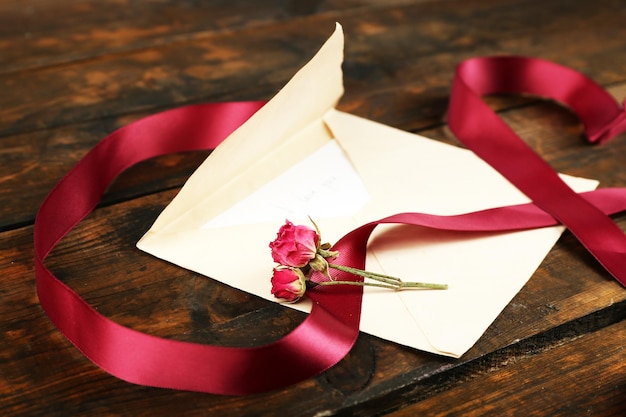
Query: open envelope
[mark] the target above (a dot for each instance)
(298, 156)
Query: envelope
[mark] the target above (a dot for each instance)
(298, 156)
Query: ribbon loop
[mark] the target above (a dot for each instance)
(481, 130)
(611, 129)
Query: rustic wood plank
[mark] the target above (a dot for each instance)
(38, 160)
(583, 376)
(43, 33)
(215, 67)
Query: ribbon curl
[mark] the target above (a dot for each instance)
(330, 330)
(482, 131)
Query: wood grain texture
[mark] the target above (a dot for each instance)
(50, 116)
(35, 34)
(72, 71)
(582, 376)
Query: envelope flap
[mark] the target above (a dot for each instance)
(283, 132)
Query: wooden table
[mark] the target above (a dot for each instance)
(72, 71)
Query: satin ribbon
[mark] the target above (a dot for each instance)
(330, 330)
(481, 130)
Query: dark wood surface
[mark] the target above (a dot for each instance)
(72, 71)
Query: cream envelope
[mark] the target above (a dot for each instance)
(298, 156)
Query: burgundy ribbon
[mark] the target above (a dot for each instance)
(330, 330)
(481, 130)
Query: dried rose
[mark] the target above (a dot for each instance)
(288, 284)
(298, 252)
(295, 245)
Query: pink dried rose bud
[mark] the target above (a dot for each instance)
(288, 284)
(298, 252)
(295, 245)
